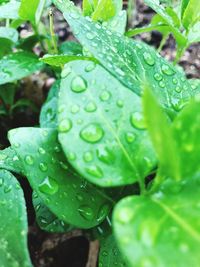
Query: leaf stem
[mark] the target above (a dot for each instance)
(52, 32)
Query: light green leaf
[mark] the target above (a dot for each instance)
(9, 10)
(46, 220)
(28, 10)
(194, 33)
(13, 218)
(129, 61)
(104, 10)
(9, 33)
(161, 229)
(191, 14)
(184, 4)
(61, 60)
(10, 161)
(89, 7)
(18, 65)
(100, 122)
(65, 193)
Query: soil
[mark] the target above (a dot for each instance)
(74, 249)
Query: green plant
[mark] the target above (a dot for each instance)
(117, 114)
(180, 18)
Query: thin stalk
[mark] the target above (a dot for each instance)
(162, 43)
(179, 54)
(52, 32)
(7, 23)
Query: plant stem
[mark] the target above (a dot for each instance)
(52, 32)
(162, 43)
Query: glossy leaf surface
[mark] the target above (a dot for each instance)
(14, 228)
(69, 197)
(18, 65)
(9, 33)
(129, 61)
(100, 122)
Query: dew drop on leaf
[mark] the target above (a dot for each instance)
(158, 77)
(137, 120)
(78, 84)
(120, 103)
(148, 59)
(43, 166)
(105, 95)
(103, 211)
(65, 125)
(75, 109)
(162, 84)
(71, 156)
(48, 186)
(91, 107)
(105, 155)
(87, 156)
(130, 137)
(90, 67)
(29, 160)
(86, 212)
(41, 150)
(95, 171)
(167, 70)
(92, 133)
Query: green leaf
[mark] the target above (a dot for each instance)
(28, 10)
(61, 60)
(100, 121)
(161, 229)
(104, 10)
(186, 131)
(161, 135)
(6, 46)
(13, 230)
(191, 14)
(9, 33)
(109, 253)
(194, 33)
(65, 193)
(129, 61)
(46, 220)
(70, 48)
(10, 161)
(18, 65)
(89, 7)
(184, 4)
(10, 10)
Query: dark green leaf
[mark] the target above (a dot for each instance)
(18, 65)
(70, 48)
(69, 197)
(100, 121)
(13, 218)
(46, 220)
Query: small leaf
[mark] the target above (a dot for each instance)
(18, 65)
(28, 10)
(101, 122)
(13, 218)
(54, 180)
(46, 220)
(9, 10)
(161, 229)
(191, 14)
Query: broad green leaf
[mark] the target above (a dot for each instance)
(191, 14)
(118, 22)
(46, 220)
(9, 10)
(10, 161)
(194, 33)
(184, 4)
(129, 61)
(161, 135)
(29, 42)
(104, 10)
(28, 10)
(109, 253)
(161, 229)
(65, 193)
(186, 130)
(48, 114)
(61, 60)
(70, 48)
(100, 122)
(18, 65)
(14, 228)
(9, 33)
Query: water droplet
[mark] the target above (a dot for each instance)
(137, 120)
(175, 81)
(162, 84)
(75, 109)
(86, 212)
(158, 77)
(105, 95)
(78, 84)
(120, 103)
(7, 189)
(90, 35)
(178, 89)
(92, 133)
(88, 156)
(48, 186)
(29, 160)
(71, 156)
(130, 137)
(90, 67)
(63, 165)
(41, 150)
(167, 70)
(105, 155)
(65, 125)
(57, 149)
(66, 72)
(95, 171)
(91, 107)
(148, 59)
(103, 212)
(43, 166)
